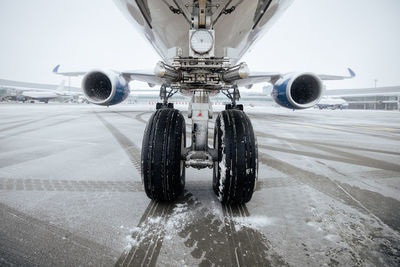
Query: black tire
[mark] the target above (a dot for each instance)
(161, 105)
(235, 172)
(230, 106)
(239, 107)
(163, 171)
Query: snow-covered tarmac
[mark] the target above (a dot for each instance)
(71, 192)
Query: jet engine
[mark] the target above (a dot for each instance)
(105, 88)
(298, 91)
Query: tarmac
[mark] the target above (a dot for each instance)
(71, 194)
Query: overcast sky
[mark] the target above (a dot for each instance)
(322, 36)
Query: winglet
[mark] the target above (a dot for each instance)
(336, 77)
(70, 74)
(55, 70)
(352, 73)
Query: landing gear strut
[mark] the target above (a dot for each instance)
(165, 95)
(234, 95)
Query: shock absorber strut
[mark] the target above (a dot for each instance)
(199, 155)
(200, 112)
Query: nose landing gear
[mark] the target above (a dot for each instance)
(233, 158)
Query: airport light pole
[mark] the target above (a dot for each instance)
(376, 81)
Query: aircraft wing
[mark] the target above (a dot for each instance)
(78, 73)
(272, 77)
(130, 75)
(259, 77)
(336, 77)
(252, 78)
(143, 76)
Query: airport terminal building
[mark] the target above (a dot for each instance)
(380, 98)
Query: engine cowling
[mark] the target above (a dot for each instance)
(298, 91)
(105, 88)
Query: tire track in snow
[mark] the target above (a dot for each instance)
(337, 128)
(366, 201)
(48, 185)
(147, 238)
(316, 143)
(16, 184)
(37, 128)
(248, 246)
(29, 241)
(22, 123)
(128, 146)
(137, 117)
(334, 153)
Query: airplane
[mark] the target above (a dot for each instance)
(332, 103)
(38, 95)
(24, 93)
(42, 95)
(200, 43)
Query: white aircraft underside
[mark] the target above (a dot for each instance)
(201, 43)
(235, 32)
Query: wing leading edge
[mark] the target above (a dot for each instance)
(247, 81)
(133, 75)
(272, 77)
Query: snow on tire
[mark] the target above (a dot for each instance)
(235, 172)
(163, 170)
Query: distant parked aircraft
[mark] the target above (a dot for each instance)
(332, 103)
(28, 91)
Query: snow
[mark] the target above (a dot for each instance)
(131, 242)
(328, 186)
(179, 217)
(333, 238)
(255, 222)
(222, 163)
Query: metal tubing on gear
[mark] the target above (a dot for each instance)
(200, 111)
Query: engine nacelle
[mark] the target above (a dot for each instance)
(298, 91)
(105, 88)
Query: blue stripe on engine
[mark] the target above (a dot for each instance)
(279, 94)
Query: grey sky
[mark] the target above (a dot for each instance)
(323, 36)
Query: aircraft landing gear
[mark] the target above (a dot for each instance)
(235, 172)
(164, 139)
(233, 158)
(236, 169)
(163, 169)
